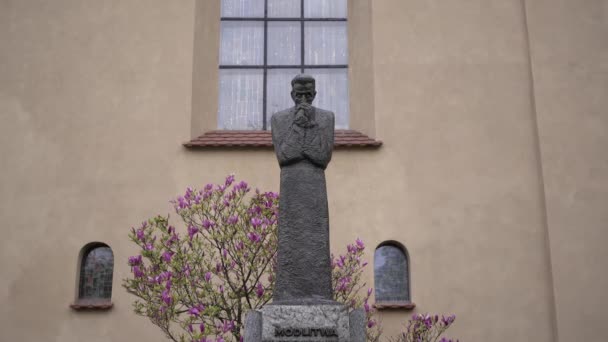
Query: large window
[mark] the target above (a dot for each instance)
(265, 43)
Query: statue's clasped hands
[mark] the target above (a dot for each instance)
(302, 118)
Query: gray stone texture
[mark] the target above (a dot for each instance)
(357, 321)
(306, 320)
(261, 325)
(253, 326)
(303, 152)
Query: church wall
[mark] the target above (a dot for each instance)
(95, 103)
(460, 182)
(569, 53)
(97, 97)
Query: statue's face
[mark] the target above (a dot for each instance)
(303, 93)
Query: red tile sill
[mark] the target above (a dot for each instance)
(220, 138)
(92, 305)
(394, 305)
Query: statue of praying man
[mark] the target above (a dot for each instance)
(303, 138)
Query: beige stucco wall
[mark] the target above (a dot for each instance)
(94, 103)
(460, 182)
(96, 98)
(569, 41)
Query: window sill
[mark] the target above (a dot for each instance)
(394, 305)
(92, 305)
(263, 139)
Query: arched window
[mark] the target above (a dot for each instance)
(391, 275)
(95, 276)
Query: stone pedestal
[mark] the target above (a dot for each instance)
(305, 323)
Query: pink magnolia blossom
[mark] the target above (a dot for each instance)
(140, 235)
(167, 275)
(194, 311)
(239, 245)
(360, 244)
(135, 260)
(256, 222)
(173, 239)
(259, 290)
(254, 237)
(207, 224)
(191, 231)
(137, 272)
(167, 255)
(166, 297)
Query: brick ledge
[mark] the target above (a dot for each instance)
(81, 305)
(394, 305)
(224, 138)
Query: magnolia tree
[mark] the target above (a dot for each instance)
(198, 285)
(426, 328)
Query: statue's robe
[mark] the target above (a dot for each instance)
(304, 265)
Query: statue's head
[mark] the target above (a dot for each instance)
(303, 89)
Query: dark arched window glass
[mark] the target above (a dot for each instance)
(96, 268)
(391, 273)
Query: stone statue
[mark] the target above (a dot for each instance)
(303, 138)
(302, 306)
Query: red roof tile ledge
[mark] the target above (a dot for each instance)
(344, 138)
(394, 305)
(92, 304)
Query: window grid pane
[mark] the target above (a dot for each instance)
(284, 8)
(242, 8)
(325, 9)
(240, 105)
(316, 47)
(325, 43)
(284, 43)
(242, 43)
